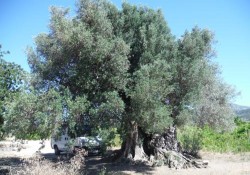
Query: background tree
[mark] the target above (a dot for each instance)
(12, 80)
(200, 95)
(213, 109)
(33, 115)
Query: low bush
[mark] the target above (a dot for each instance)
(236, 141)
(193, 139)
(111, 137)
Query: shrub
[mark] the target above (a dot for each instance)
(191, 139)
(236, 141)
(111, 137)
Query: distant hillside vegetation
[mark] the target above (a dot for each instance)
(244, 114)
(242, 111)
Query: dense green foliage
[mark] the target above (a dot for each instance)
(33, 115)
(12, 82)
(129, 67)
(191, 138)
(194, 139)
(37, 115)
(107, 63)
(119, 68)
(200, 95)
(110, 138)
(236, 141)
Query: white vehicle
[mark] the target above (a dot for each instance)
(63, 143)
(91, 144)
(60, 143)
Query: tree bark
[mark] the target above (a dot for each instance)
(130, 142)
(159, 149)
(132, 147)
(139, 145)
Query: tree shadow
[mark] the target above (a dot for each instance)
(55, 158)
(9, 163)
(97, 164)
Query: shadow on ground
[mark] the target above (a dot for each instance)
(96, 165)
(6, 163)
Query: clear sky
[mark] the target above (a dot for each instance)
(22, 20)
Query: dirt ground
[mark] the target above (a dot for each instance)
(219, 164)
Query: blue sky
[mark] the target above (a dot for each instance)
(22, 20)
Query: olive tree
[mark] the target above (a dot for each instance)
(130, 70)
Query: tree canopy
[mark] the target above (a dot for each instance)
(12, 80)
(124, 68)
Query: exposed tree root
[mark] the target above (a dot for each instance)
(164, 149)
(177, 160)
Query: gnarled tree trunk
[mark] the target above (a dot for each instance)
(159, 149)
(132, 148)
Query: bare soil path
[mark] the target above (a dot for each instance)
(219, 164)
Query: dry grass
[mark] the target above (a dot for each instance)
(40, 166)
(32, 163)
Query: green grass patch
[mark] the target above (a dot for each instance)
(193, 138)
